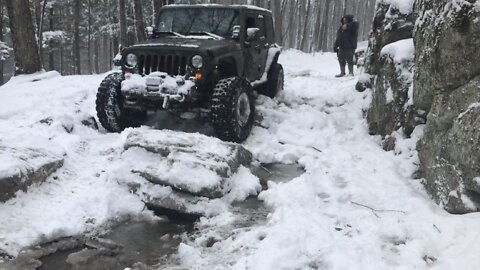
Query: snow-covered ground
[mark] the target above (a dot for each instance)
(356, 207)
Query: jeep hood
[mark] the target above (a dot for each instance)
(212, 46)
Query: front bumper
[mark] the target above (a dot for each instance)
(157, 87)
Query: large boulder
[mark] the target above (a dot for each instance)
(449, 150)
(389, 71)
(393, 21)
(185, 173)
(447, 85)
(191, 163)
(21, 167)
(391, 107)
(447, 41)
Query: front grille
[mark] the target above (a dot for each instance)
(171, 64)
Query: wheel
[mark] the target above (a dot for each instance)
(275, 81)
(232, 109)
(110, 111)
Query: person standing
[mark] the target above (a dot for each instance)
(346, 43)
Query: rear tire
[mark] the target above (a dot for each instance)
(275, 82)
(110, 111)
(232, 109)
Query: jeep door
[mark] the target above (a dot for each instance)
(256, 49)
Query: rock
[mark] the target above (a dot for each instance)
(391, 108)
(90, 122)
(449, 150)
(389, 72)
(364, 82)
(190, 163)
(390, 24)
(177, 205)
(21, 167)
(184, 175)
(447, 42)
(30, 258)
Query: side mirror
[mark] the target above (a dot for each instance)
(149, 31)
(236, 32)
(252, 34)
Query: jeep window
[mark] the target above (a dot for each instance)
(255, 21)
(193, 21)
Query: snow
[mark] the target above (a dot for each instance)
(404, 6)
(167, 45)
(272, 52)
(251, 7)
(19, 162)
(135, 83)
(355, 207)
(322, 219)
(470, 108)
(400, 51)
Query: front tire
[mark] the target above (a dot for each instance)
(275, 81)
(110, 111)
(232, 109)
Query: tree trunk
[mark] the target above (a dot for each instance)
(1, 39)
(89, 39)
(157, 5)
(40, 29)
(139, 24)
(27, 59)
(123, 24)
(76, 37)
(51, 62)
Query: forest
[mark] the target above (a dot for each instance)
(83, 36)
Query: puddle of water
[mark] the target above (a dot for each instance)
(152, 243)
(277, 172)
(141, 241)
(252, 210)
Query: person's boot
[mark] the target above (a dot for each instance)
(342, 72)
(350, 70)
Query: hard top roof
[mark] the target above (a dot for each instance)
(243, 7)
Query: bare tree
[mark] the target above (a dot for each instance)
(123, 23)
(76, 36)
(139, 23)
(27, 58)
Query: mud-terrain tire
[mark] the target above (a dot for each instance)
(110, 111)
(232, 109)
(275, 82)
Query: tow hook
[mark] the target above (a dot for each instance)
(167, 97)
(166, 101)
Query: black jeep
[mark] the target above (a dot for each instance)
(214, 58)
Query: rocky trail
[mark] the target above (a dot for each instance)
(309, 189)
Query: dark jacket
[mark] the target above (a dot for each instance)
(347, 39)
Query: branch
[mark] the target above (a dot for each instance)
(374, 211)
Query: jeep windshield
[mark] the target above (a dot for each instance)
(213, 23)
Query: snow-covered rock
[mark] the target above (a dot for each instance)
(447, 84)
(191, 163)
(186, 173)
(21, 167)
(392, 105)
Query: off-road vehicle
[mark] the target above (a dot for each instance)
(214, 58)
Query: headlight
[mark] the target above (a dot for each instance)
(197, 61)
(131, 60)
